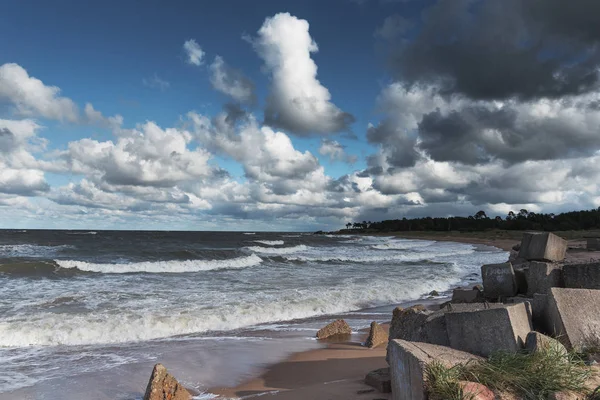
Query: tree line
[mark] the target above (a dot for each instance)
(521, 220)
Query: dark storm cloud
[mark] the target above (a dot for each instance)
(397, 144)
(7, 140)
(502, 49)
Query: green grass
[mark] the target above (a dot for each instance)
(531, 376)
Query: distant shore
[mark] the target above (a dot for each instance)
(337, 370)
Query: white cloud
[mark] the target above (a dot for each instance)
(195, 54)
(32, 98)
(231, 82)
(335, 151)
(298, 102)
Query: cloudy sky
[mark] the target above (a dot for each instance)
(295, 115)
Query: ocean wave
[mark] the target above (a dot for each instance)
(249, 233)
(173, 266)
(271, 242)
(278, 250)
(369, 258)
(82, 233)
(403, 244)
(31, 250)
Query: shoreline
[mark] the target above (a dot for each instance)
(337, 370)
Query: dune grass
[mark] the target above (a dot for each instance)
(531, 376)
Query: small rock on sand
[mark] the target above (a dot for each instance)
(163, 386)
(378, 335)
(380, 380)
(339, 327)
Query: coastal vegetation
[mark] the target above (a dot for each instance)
(480, 221)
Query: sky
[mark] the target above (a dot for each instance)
(295, 115)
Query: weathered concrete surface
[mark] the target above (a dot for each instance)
(408, 324)
(163, 386)
(498, 280)
(542, 246)
(542, 276)
(538, 342)
(582, 276)
(408, 361)
(435, 329)
(467, 296)
(336, 328)
(483, 332)
(377, 335)
(380, 379)
(574, 316)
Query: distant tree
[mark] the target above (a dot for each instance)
(481, 215)
(349, 225)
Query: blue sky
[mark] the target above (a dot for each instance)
(422, 108)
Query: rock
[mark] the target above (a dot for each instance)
(434, 293)
(574, 316)
(566, 395)
(517, 247)
(408, 324)
(163, 386)
(467, 296)
(593, 243)
(582, 276)
(476, 391)
(542, 276)
(542, 246)
(498, 280)
(336, 328)
(378, 335)
(408, 361)
(538, 342)
(380, 380)
(503, 327)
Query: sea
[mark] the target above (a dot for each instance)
(86, 314)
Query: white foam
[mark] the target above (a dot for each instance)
(365, 257)
(270, 242)
(278, 250)
(403, 244)
(82, 233)
(249, 233)
(173, 266)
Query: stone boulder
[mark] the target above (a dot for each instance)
(541, 276)
(476, 391)
(336, 328)
(582, 276)
(163, 386)
(499, 327)
(542, 246)
(377, 335)
(408, 324)
(380, 380)
(498, 280)
(538, 342)
(460, 296)
(408, 361)
(574, 316)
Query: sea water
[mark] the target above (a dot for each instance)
(86, 314)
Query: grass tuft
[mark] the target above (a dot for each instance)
(531, 376)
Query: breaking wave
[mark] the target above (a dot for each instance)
(174, 266)
(278, 250)
(403, 245)
(367, 258)
(270, 242)
(30, 250)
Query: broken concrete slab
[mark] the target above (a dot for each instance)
(408, 361)
(574, 316)
(408, 324)
(484, 331)
(380, 379)
(336, 328)
(467, 296)
(163, 385)
(498, 280)
(542, 276)
(542, 246)
(582, 276)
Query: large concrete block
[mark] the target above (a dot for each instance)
(483, 332)
(435, 329)
(542, 246)
(542, 276)
(467, 296)
(407, 366)
(582, 276)
(498, 280)
(574, 316)
(593, 243)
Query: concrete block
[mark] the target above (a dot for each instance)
(521, 279)
(582, 276)
(380, 379)
(467, 296)
(498, 280)
(435, 329)
(377, 336)
(542, 246)
(542, 276)
(408, 361)
(483, 332)
(574, 316)
(538, 342)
